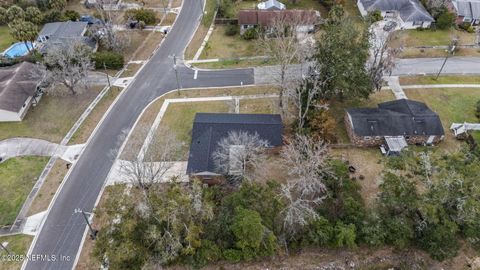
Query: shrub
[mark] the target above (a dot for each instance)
(439, 240)
(445, 20)
(232, 255)
(399, 231)
(344, 235)
(3, 16)
(231, 30)
(375, 16)
(208, 252)
(372, 231)
(477, 110)
(52, 16)
(250, 34)
(110, 60)
(467, 27)
(146, 15)
(71, 15)
(319, 232)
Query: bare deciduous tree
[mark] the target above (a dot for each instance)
(282, 44)
(69, 64)
(105, 32)
(382, 59)
(238, 154)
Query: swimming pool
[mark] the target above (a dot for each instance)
(18, 49)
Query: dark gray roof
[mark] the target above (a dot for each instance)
(17, 84)
(209, 128)
(396, 118)
(409, 10)
(468, 8)
(62, 33)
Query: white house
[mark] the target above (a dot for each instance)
(467, 11)
(271, 5)
(409, 13)
(19, 89)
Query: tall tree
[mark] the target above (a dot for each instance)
(382, 59)
(15, 12)
(3, 16)
(58, 5)
(69, 64)
(33, 15)
(341, 56)
(24, 31)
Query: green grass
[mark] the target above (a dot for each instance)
(222, 46)
(234, 63)
(18, 245)
(441, 80)
(452, 105)
(51, 118)
(337, 109)
(17, 177)
(178, 119)
(413, 38)
(5, 38)
(209, 12)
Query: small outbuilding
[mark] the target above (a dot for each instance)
(271, 5)
(209, 128)
(19, 89)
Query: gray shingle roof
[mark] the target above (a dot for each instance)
(409, 10)
(61, 33)
(396, 118)
(271, 4)
(17, 84)
(209, 128)
(468, 8)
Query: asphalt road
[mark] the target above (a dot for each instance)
(57, 244)
(429, 66)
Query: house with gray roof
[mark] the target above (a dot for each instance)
(19, 89)
(394, 121)
(209, 128)
(271, 5)
(63, 33)
(467, 11)
(410, 13)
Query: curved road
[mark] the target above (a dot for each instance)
(62, 232)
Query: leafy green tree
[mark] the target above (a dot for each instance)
(58, 5)
(319, 233)
(345, 235)
(148, 16)
(72, 15)
(340, 58)
(399, 231)
(33, 15)
(440, 240)
(3, 16)
(23, 31)
(252, 237)
(52, 16)
(15, 13)
(445, 20)
(374, 16)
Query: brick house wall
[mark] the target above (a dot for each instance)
(370, 141)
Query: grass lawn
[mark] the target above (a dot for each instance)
(169, 19)
(5, 38)
(260, 106)
(414, 38)
(52, 118)
(131, 70)
(178, 119)
(441, 80)
(18, 245)
(452, 105)
(435, 52)
(87, 127)
(234, 63)
(49, 187)
(143, 45)
(17, 177)
(136, 38)
(337, 109)
(222, 46)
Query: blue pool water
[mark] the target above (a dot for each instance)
(18, 49)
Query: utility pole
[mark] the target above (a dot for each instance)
(93, 232)
(5, 248)
(108, 78)
(450, 51)
(176, 73)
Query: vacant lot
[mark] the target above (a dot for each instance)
(51, 118)
(18, 245)
(441, 80)
(222, 46)
(235, 63)
(415, 38)
(17, 177)
(452, 105)
(5, 38)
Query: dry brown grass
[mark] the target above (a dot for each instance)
(49, 187)
(260, 105)
(131, 70)
(87, 127)
(176, 3)
(430, 52)
(169, 19)
(151, 42)
(196, 42)
(222, 46)
(135, 38)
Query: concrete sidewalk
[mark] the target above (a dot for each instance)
(16, 147)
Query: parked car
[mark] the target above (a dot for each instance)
(389, 26)
(90, 19)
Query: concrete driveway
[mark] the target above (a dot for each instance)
(16, 147)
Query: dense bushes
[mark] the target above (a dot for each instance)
(477, 109)
(147, 16)
(231, 30)
(110, 60)
(71, 15)
(250, 33)
(445, 20)
(467, 27)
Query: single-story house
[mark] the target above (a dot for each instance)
(250, 18)
(467, 11)
(209, 128)
(62, 33)
(410, 13)
(271, 5)
(411, 120)
(19, 89)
